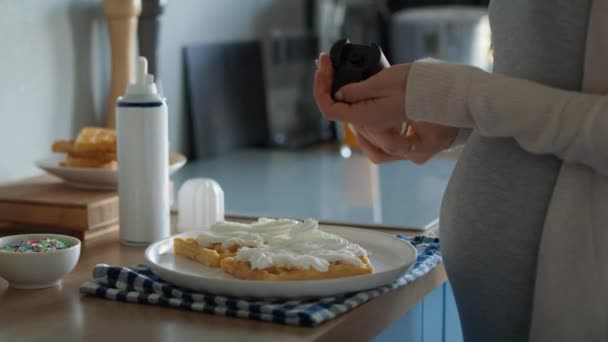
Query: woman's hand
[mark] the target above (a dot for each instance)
(378, 101)
(423, 141)
(375, 109)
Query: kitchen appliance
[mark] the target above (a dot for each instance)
(294, 118)
(459, 34)
(357, 20)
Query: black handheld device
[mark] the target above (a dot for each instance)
(354, 62)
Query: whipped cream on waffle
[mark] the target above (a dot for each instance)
(254, 234)
(283, 243)
(304, 246)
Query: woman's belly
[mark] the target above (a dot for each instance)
(491, 222)
(499, 184)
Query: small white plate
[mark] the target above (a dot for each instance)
(391, 258)
(100, 179)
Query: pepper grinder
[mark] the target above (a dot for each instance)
(148, 29)
(121, 16)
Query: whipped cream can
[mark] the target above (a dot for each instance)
(143, 162)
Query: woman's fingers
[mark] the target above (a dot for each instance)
(378, 155)
(391, 141)
(373, 153)
(376, 108)
(360, 113)
(364, 90)
(420, 159)
(407, 147)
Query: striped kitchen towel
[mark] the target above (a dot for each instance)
(137, 284)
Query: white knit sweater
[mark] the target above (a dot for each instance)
(571, 294)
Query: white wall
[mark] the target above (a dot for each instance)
(54, 65)
(48, 85)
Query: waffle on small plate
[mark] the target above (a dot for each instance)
(94, 147)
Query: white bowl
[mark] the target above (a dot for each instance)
(38, 270)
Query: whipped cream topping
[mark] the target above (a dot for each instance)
(254, 234)
(283, 243)
(304, 246)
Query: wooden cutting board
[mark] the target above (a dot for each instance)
(47, 203)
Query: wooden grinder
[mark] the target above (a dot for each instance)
(122, 25)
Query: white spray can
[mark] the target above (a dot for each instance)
(143, 161)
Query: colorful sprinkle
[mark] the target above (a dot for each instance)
(36, 246)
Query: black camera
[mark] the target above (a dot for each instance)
(354, 62)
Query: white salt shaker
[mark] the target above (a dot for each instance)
(200, 204)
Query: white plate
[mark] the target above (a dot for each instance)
(391, 258)
(89, 178)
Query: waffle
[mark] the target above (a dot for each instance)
(242, 270)
(63, 146)
(67, 146)
(93, 148)
(95, 139)
(275, 254)
(210, 255)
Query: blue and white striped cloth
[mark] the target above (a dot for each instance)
(138, 284)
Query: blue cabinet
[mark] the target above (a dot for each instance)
(451, 321)
(435, 319)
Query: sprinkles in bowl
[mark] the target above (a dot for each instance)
(36, 261)
(36, 246)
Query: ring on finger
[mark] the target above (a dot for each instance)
(404, 127)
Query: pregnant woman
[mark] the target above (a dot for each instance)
(524, 221)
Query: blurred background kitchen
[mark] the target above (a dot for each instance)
(237, 75)
(56, 65)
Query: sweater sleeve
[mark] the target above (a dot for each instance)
(571, 125)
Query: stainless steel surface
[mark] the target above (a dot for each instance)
(319, 183)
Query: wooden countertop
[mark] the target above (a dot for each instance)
(63, 314)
